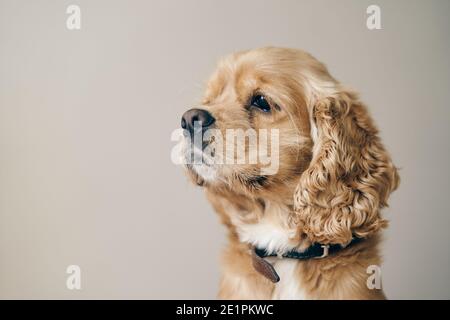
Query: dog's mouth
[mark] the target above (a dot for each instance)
(205, 168)
(201, 161)
(194, 175)
(214, 160)
(205, 155)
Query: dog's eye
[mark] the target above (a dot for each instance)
(260, 102)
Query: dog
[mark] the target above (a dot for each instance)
(310, 230)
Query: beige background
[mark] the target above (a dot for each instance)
(86, 118)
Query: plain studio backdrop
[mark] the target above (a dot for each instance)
(86, 118)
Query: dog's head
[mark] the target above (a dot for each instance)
(274, 117)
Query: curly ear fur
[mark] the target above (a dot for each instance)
(350, 176)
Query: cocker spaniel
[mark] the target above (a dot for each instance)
(302, 200)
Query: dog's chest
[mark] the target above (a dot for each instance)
(289, 287)
(272, 235)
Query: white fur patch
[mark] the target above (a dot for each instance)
(208, 173)
(265, 234)
(289, 287)
(269, 232)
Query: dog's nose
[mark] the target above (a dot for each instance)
(190, 117)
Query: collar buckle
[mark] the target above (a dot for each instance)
(325, 253)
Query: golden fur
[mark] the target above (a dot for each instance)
(334, 177)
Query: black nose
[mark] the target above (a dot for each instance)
(190, 117)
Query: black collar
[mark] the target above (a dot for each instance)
(317, 250)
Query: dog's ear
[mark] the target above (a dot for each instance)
(350, 176)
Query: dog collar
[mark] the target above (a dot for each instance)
(317, 251)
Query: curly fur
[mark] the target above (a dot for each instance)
(350, 178)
